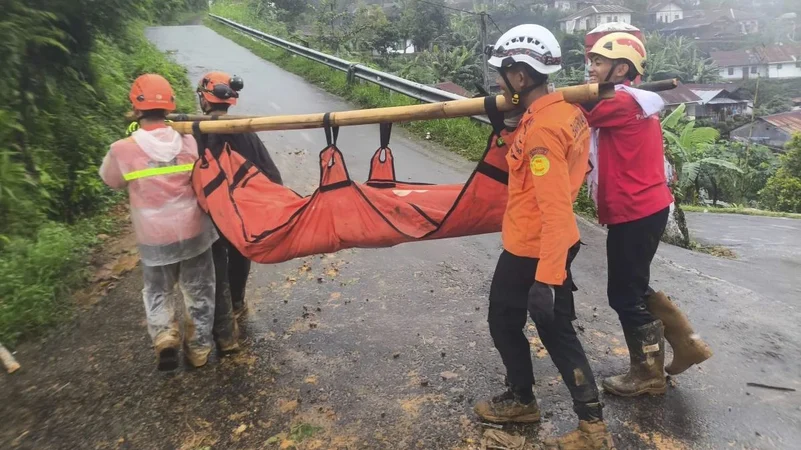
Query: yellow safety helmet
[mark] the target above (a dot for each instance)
(622, 46)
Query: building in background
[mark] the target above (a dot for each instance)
(773, 131)
(778, 61)
(665, 12)
(588, 18)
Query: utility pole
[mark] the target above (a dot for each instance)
(483, 17)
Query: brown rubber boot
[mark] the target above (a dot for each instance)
(647, 355)
(507, 407)
(688, 347)
(588, 436)
(167, 344)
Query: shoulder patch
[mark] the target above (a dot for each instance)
(540, 165)
(537, 151)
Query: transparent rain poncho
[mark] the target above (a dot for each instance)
(156, 167)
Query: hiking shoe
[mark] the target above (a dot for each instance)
(647, 360)
(688, 347)
(507, 407)
(167, 344)
(588, 436)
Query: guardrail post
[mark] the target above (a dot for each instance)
(351, 74)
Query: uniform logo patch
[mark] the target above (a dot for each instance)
(540, 165)
(537, 151)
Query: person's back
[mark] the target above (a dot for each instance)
(169, 224)
(173, 234)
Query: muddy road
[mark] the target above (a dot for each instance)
(388, 348)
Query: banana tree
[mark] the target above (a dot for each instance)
(685, 149)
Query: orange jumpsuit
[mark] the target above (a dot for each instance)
(548, 162)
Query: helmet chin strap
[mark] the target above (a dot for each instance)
(615, 63)
(516, 94)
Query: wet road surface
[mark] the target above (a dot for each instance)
(349, 349)
(768, 250)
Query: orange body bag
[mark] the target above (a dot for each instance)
(270, 223)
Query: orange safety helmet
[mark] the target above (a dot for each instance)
(151, 91)
(219, 87)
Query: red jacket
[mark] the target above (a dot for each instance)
(631, 164)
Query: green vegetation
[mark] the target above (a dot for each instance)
(66, 69)
(783, 190)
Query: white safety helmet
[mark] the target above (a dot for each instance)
(531, 44)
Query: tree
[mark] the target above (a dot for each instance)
(677, 57)
(424, 22)
(783, 190)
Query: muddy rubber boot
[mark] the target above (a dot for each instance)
(647, 355)
(227, 336)
(507, 407)
(588, 436)
(240, 309)
(167, 344)
(688, 347)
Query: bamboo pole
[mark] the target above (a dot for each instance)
(656, 86)
(441, 110)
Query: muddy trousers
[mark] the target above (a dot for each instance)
(630, 248)
(232, 270)
(508, 313)
(196, 279)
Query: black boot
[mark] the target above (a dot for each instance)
(647, 355)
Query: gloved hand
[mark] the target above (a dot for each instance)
(541, 302)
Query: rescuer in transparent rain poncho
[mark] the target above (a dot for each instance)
(173, 234)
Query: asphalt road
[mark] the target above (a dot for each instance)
(768, 251)
(349, 349)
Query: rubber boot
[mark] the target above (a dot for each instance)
(167, 344)
(227, 336)
(588, 436)
(647, 355)
(507, 407)
(688, 347)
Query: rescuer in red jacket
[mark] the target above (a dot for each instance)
(633, 200)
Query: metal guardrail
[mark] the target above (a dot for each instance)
(394, 83)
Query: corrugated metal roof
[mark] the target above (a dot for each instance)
(780, 53)
(597, 9)
(735, 58)
(731, 88)
(725, 101)
(453, 88)
(706, 95)
(678, 95)
(789, 121)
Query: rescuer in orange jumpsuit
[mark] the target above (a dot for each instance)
(548, 161)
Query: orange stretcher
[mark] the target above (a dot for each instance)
(270, 223)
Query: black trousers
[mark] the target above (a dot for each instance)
(508, 312)
(630, 248)
(231, 270)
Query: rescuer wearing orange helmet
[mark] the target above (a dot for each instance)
(217, 92)
(173, 234)
(547, 165)
(629, 186)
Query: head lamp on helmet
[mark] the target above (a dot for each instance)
(219, 87)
